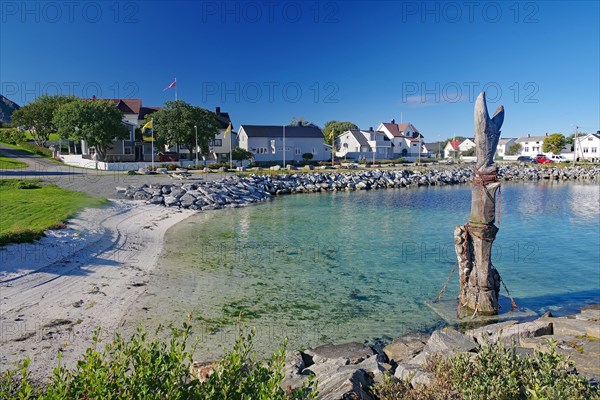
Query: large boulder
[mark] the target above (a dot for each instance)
(337, 381)
(405, 347)
(413, 373)
(449, 342)
(489, 333)
(352, 353)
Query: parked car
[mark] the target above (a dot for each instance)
(527, 159)
(542, 159)
(168, 156)
(558, 158)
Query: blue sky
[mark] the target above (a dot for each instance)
(366, 62)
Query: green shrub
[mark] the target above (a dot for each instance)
(35, 149)
(152, 368)
(12, 136)
(495, 373)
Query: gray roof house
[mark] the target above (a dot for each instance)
(358, 144)
(275, 143)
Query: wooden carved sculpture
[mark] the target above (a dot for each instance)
(479, 280)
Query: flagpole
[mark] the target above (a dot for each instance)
(152, 132)
(175, 89)
(283, 148)
(231, 149)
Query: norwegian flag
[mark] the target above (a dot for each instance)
(173, 84)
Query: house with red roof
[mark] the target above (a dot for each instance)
(406, 140)
(452, 149)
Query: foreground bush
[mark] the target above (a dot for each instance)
(144, 368)
(495, 373)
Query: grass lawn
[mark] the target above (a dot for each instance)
(10, 163)
(29, 207)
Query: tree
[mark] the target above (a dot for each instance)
(175, 124)
(306, 157)
(37, 117)
(301, 122)
(514, 149)
(239, 154)
(98, 122)
(554, 143)
(469, 152)
(570, 140)
(338, 127)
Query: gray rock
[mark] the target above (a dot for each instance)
(171, 201)
(141, 195)
(514, 333)
(293, 378)
(353, 353)
(405, 347)
(415, 374)
(489, 333)
(337, 381)
(448, 342)
(187, 200)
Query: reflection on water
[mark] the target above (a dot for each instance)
(354, 266)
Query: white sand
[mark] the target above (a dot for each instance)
(56, 292)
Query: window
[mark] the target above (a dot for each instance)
(526, 149)
(594, 150)
(217, 142)
(314, 150)
(127, 150)
(297, 151)
(586, 149)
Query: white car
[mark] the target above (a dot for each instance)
(557, 158)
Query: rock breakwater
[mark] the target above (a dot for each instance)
(239, 190)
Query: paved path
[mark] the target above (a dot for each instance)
(93, 182)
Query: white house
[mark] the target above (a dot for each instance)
(531, 145)
(126, 150)
(358, 144)
(467, 144)
(276, 143)
(406, 140)
(451, 150)
(222, 144)
(504, 145)
(588, 147)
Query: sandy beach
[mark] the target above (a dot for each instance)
(54, 293)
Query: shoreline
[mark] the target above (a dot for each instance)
(76, 280)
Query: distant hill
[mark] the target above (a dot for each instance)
(6, 109)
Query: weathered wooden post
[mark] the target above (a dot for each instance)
(479, 280)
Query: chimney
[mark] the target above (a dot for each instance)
(299, 123)
(371, 128)
(393, 121)
(528, 135)
(546, 133)
(218, 110)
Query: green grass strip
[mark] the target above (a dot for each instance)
(29, 207)
(10, 163)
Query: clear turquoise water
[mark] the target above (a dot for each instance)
(336, 267)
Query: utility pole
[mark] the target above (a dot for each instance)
(575, 142)
(332, 147)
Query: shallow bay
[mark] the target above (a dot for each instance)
(337, 267)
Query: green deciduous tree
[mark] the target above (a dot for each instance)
(174, 125)
(469, 152)
(338, 127)
(554, 143)
(37, 117)
(302, 122)
(98, 122)
(239, 154)
(514, 149)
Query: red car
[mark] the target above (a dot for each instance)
(168, 156)
(542, 159)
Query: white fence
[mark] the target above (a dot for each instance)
(79, 161)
